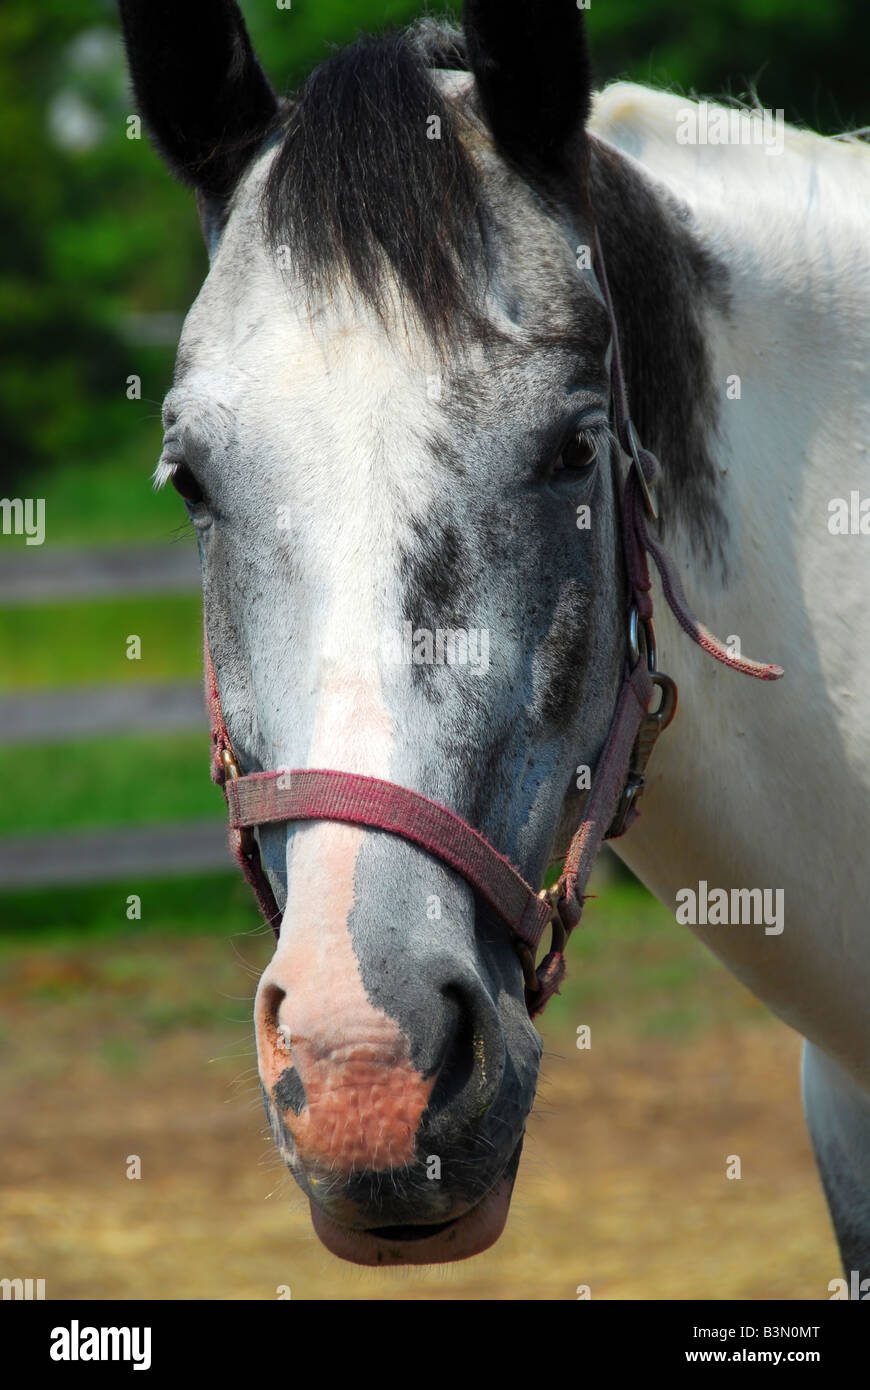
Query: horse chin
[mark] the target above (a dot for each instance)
(466, 1235)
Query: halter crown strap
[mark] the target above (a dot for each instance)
(638, 539)
(263, 798)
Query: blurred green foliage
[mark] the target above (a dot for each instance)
(94, 230)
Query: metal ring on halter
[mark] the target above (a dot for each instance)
(246, 832)
(558, 939)
(635, 624)
(645, 492)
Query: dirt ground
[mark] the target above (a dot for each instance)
(622, 1186)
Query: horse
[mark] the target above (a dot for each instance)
(437, 273)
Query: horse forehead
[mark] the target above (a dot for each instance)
(255, 328)
(330, 390)
(331, 377)
(252, 314)
(254, 317)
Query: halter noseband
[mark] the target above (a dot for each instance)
(264, 798)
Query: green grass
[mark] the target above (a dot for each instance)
(66, 644)
(136, 780)
(212, 904)
(631, 970)
(190, 964)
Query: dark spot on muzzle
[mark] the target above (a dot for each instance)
(289, 1092)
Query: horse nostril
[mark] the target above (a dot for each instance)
(269, 1000)
(273, 1037)
(460, 1056)
(278, 1072)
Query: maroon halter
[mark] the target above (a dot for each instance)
(264, 798)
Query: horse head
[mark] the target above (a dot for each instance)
(390, 424)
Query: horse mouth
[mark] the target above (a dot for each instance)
(411, 1232)
(441, 1243)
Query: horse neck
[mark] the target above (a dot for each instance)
(779, 413)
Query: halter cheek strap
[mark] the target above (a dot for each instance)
(277, 797)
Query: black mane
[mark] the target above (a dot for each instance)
(358, 191)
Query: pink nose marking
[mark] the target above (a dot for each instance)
(364, 1098)
(365, 1101)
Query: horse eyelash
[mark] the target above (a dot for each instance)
(163, 473)
(601, 436)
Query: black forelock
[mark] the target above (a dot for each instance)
(361, 195)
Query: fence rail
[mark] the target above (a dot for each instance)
(123, 853)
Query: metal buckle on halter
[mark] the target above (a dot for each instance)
(652, 724)
(645, 492)
(630, 794)
(246, 832)
(558, 938)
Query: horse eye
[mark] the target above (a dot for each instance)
(578, 454)
(185, 484)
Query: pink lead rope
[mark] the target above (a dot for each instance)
(264, 798)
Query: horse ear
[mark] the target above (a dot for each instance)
(531, 66)
(201, 91)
